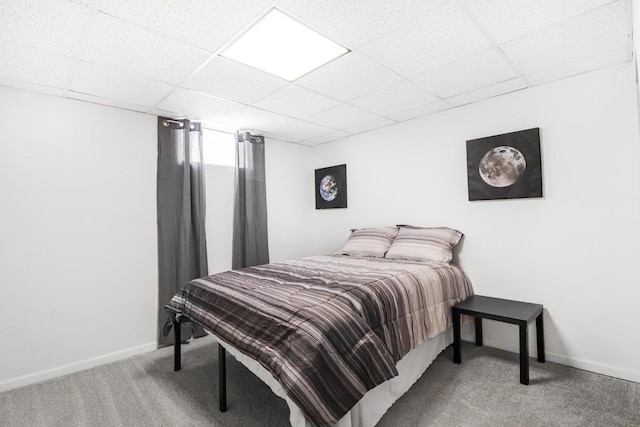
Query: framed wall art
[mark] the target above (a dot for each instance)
(331, 187)
(506, 166)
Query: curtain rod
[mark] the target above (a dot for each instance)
(166, 123)
(252, 138)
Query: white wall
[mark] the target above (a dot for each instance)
(78, 219)
(575, 250)
(219, 188)
(290, 200)
(78, 245)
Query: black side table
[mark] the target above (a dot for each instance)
(502, 310)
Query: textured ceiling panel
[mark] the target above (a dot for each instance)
(488, 92)
(228, 79)
(118, 44)
(336, 18)
(194, 104)
(367, 126)
(299, 130)
(506, 20)
(159, 56)
(296, 101)
(255, 119)
(203, 23)
(32, 87)
(595, 32)
(616, 56)
(342, 116)
(26, 64)
(348, 77)
(116, 85)
(443, 35)
(106, 101)
(402, 96)
(338, 134)
(54, 25)
(421, 111)
(468, 74)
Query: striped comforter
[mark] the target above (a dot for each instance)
(328, 328)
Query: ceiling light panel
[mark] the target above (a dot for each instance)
(282, 46)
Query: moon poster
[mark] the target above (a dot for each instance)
(331, 187)
(506, 166)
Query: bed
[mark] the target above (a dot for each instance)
(339, 337)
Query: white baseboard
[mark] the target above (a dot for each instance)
(587, 365)
(75, 367)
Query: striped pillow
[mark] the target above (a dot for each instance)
(371, 242)
(424, 244)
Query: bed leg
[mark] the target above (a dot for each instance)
(176, 345)
(222, 378)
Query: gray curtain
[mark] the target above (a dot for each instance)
(182, 248)
(250, 238)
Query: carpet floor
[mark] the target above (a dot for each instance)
(482, 391)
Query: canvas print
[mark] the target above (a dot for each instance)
(506, 166)
(331, 187)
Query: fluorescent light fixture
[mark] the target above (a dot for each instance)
(282, 46)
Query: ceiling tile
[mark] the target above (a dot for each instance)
(198, 105)
(203, 23)
(19, 84)
(34, 66)
(335, 18)
(299, 130)
(488, 92)
(228, 79)
(338, 134)
(342, 116)
(598, 31)
(296, 101)
(443, 35)
(116, 85)
(106, 101)
(393, 99)
(367, 126)
(421, 111)
(54, 25)
(606, 59)
(505, 20)
(120, 45)
(256, 119)
(348, 77)
(471, 73)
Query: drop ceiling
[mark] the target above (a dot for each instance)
(409, 58)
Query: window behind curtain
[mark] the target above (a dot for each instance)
(220, 162)
(219, 148)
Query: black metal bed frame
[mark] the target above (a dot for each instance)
(222, 359)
